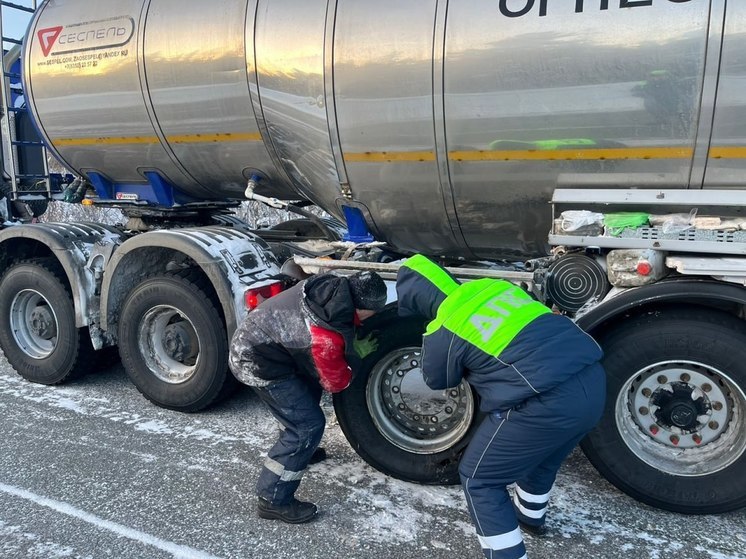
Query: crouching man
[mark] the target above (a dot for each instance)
(539, 381)
(289, 349)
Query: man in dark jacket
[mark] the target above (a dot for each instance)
(539, 383)
(289, 349)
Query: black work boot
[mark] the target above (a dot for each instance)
(295, 512)
(533, 529)
(319, 455)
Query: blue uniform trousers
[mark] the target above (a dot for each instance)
(526, 446)
(294, 402)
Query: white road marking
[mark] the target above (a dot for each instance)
(178, 551)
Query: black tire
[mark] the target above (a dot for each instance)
(175, 308)
(355, 408)
(37, 324)
(668, 373)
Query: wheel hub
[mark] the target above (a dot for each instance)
(411, 415)
(677, 406)
(33, 324)
(419, 407)
(169, 344)
(680, 406)
(42, 323)
(178, 342)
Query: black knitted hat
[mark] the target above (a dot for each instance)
(368, 291)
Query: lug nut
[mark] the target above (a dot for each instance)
(697, 439)
(713, 425)
(454, 393)
(400, 373)
(717, 406)
(706, 387)
(662, 379)
(416, 417)
(414, 363)
(674, 440)
(654, 429)
(434, 419)
(685, 377)
(647, 392)
(395, 389)
(402, 407)
(644, 411)
(449, 410)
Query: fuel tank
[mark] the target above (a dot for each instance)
(450, 123)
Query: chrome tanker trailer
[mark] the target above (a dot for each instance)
(592, 151)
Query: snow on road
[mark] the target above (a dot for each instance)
(92, 469)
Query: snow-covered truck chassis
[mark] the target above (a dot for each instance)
(673, 434)
(168, 299)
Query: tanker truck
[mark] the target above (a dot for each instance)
(503, 138)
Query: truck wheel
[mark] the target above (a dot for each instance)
(673, 434)
(395, 422)
(37, 324)
(173, 343)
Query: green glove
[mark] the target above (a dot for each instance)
(365, 346)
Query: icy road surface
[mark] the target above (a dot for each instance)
(92, 470)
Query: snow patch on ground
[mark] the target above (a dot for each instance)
(573, 513)
(366, 507)
(75, 400)
(15, 542)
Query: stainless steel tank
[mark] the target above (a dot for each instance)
(450, 122)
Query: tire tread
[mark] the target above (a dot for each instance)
(84, 361)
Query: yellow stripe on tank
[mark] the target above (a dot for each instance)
(176, 139)
(390, 156)
(597, 154)
(64, 142)
(592, 154)
(526, 155)
(728, 152)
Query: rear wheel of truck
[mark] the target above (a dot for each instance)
(673, 434)
(395, 422)
(38, 334)
(173, 343)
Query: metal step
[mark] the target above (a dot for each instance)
(22, 176)
(26, 143)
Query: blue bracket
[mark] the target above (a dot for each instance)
(104, 187)
(158, 191)
(162, 191)
(357, 229)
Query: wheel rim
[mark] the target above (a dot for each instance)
(34, 324)
(169, 344)
(410, 415)
(683, 418)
